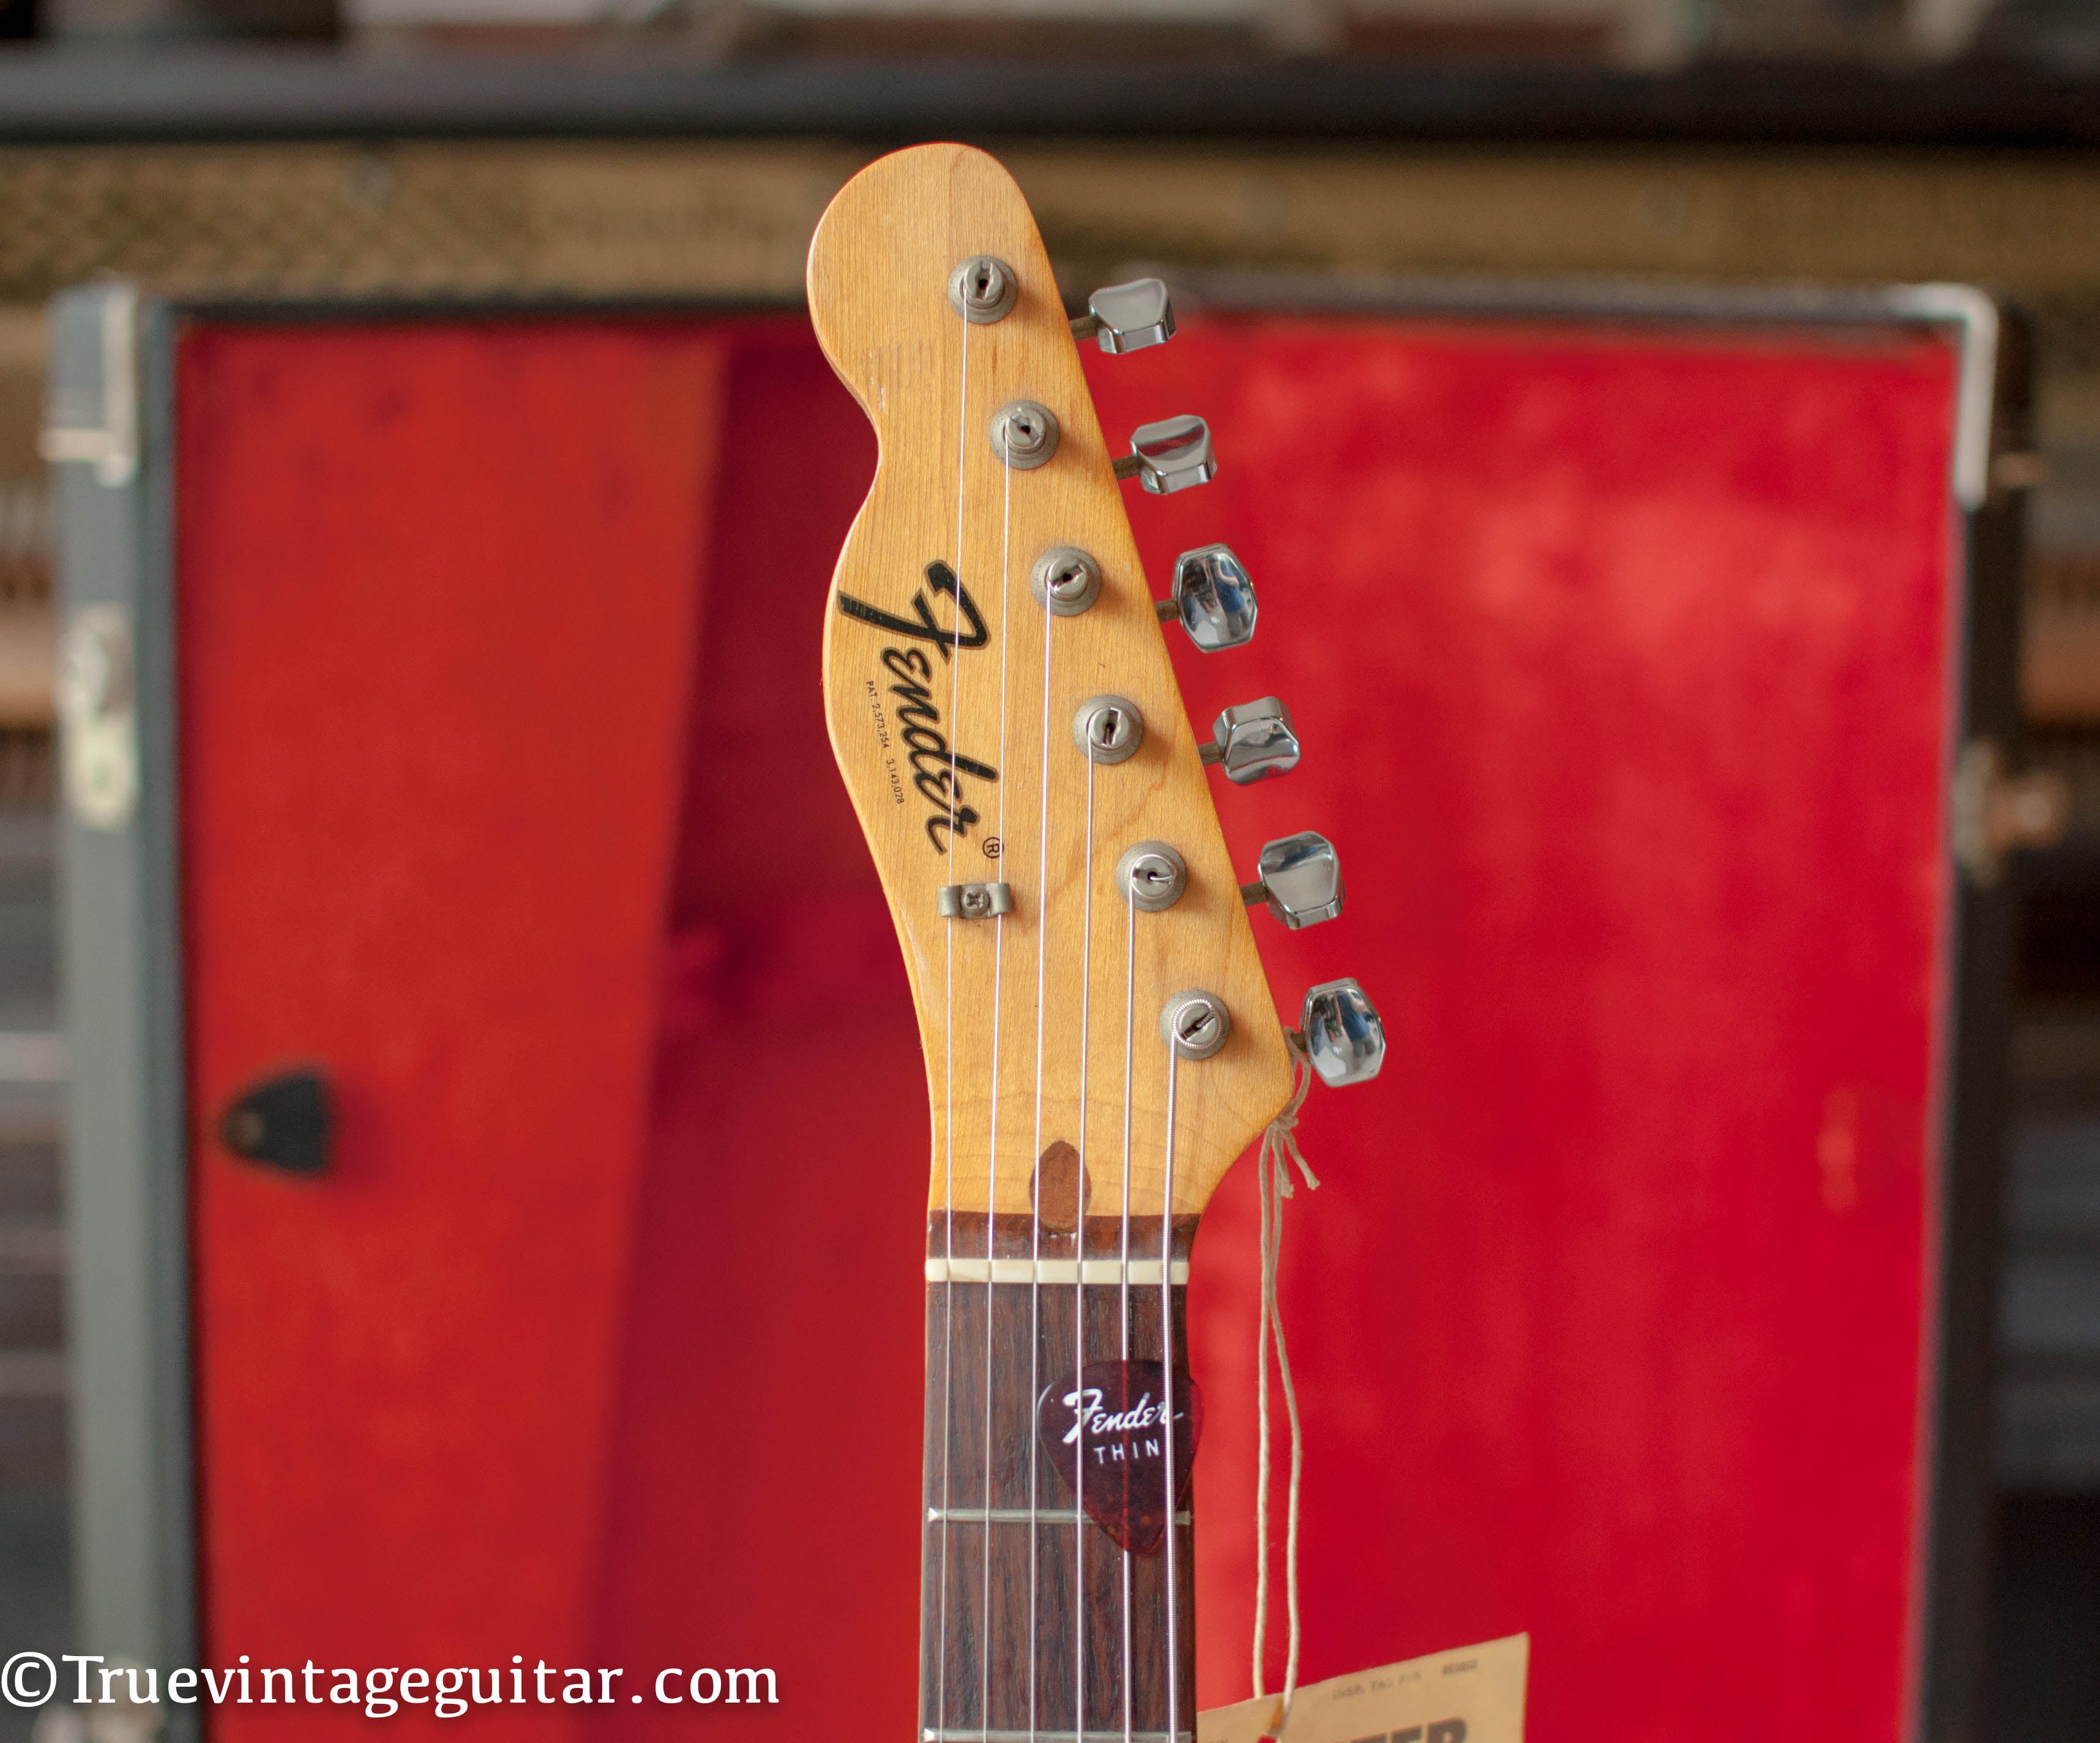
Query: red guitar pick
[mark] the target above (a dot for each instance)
(1105, 1432)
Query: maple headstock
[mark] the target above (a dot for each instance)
(957, 693)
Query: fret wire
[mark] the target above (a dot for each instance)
(1016, 1515)
(976, 1734)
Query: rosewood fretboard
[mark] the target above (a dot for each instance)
(1028, 1611)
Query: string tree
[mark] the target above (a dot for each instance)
(1128, 317)
(1255, 741)
(973, 901)
(1170, 455)
(1299, 878)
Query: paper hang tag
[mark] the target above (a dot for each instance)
(1109, 1420)
(1474, 1695)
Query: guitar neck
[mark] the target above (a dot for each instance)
(1006, 718)
(1052, 1421)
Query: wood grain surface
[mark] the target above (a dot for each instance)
(1043, 1026)
(1026, 1619)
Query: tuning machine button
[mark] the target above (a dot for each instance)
(1343, 1034)
(1127, 317)
(1301, 880)
(1253, 742)
(1213, 599)
(1170, 455)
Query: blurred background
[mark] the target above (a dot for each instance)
(550, 147)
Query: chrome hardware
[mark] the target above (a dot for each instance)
(1195, 1024)
(1170, 455)
(983, 289)
(1994, 811)
(92, 674)
(973, 901)
(1343, 1034)
(1024, 435)
(1152, 876)
(1067, 578)
(92, 695)
(1127, 317)
(1109, 729)
(1253, 742)
(1213, 599)
(1301, 881)
(101, 430)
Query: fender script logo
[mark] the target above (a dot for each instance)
(937, 768)
(942, 579)
(1090, 1416)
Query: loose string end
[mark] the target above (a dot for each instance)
(1278, 1153)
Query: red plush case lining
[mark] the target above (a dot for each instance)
(1622, 662)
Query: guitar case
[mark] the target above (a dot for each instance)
(500, 1135)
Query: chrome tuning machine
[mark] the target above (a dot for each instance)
(1213, 599)
(1300, 879)
(1343, 1034)
(1123, 318)
(1255, 741)
(1170, 455)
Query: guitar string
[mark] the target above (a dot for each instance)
(1129, 1054)
(998, 999)
(1035, 1285)
(1166, 1400)
(1261, 1485)
(1080, 1294)
(948, 1063)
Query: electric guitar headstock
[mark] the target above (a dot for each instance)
(1002, 709)
(1101, 1041)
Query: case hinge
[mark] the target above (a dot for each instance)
(1996, 811)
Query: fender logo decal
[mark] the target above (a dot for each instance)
(937, 768)
(941, 579)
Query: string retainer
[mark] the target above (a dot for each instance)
(973, 901)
